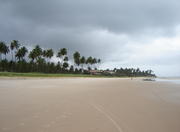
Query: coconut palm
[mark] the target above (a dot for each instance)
(48, 53)
(65, 65)
(89, 62)
(94, 62)
(38, 60)
(64, 51)
(36, 53)
(66, 59)
(82, 61)
(32, 56)
(62, 54)
(76, 57)
(14, 45)
(21, 53)
(5, 50)
(2, 45)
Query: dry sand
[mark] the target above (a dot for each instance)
(88, 105)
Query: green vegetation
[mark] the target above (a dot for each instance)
(38, 62)
(13, 74)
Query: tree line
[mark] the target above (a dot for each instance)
(131, 72)
(21, 59)
(39, 60)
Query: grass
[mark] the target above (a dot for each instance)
(14, 74)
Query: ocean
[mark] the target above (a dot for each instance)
(170, 80)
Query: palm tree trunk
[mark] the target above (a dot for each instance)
(82, 66)
(15, 59)
(12, 55)
(1, 57)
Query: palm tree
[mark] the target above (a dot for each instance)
(62, 54)
(2, 45)
(24, 51)
(48, 53)
(71, 70)
(76, 57)
(98, 62)
(93, 62)
(32, 56)
(14, 45)
(41, 61)
(36, 53)
(66, 59)
(65, 65)
(64, 51)
(21, 53)
(82, 61)
(5, 50)
(89, 62)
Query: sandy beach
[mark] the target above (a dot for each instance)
(88, 105)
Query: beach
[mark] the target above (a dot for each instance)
(88, 105)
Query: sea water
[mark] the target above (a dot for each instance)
(170, 80)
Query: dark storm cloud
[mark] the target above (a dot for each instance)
(114, 15)
(25, 17)
(100, 28)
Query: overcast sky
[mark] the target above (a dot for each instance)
(123, 33)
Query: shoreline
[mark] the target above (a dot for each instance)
(167, 80)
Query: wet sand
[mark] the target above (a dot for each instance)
(88, 105)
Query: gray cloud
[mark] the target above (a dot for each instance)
(121, 16)
(102, 28)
